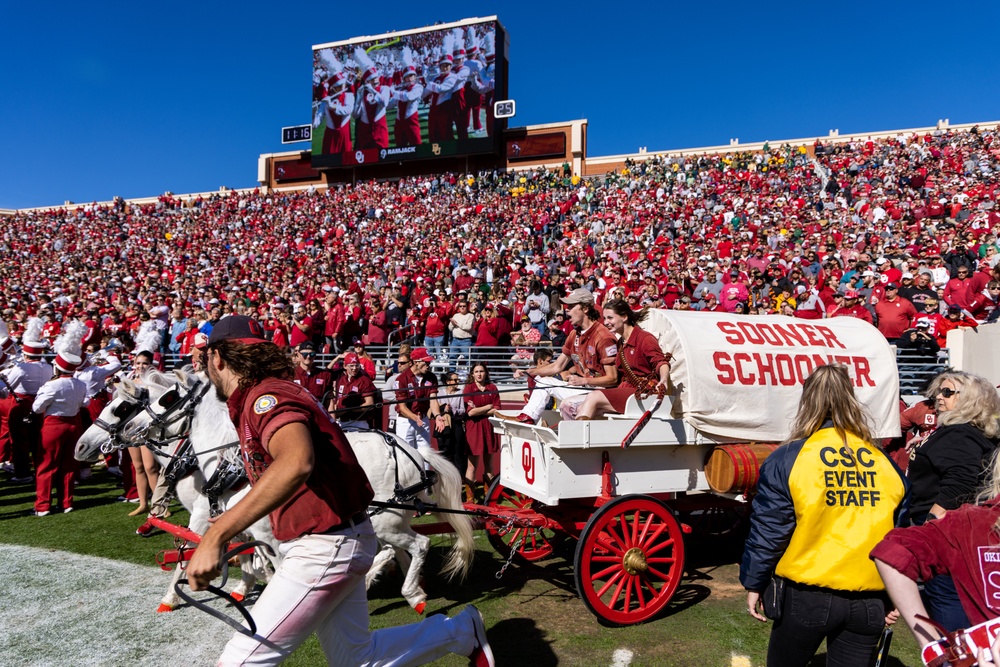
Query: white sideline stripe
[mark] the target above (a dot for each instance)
(62, 608)
(741, 661)
(622, 657)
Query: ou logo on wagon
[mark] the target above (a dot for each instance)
(528, 462)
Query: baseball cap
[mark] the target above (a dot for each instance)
(954, 309)
(923, 324)
(420, 354)
(307, 347)
(851, 294)
(892, 286)
(200, 340)
(350, 358)
(579, 295)
(239, 328)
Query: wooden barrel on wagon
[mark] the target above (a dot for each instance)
(736, 468)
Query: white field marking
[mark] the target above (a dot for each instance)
(622, 657)
(740, 661)
(62, 608)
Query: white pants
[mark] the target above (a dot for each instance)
(416, 434)
(320, 587)
(546, 388)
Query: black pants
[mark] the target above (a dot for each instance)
(851, 623)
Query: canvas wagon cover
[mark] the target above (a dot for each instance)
(740, 376)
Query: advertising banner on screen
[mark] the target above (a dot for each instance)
(417, 94)
(741, 377)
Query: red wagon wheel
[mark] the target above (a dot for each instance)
(629, 560)
(535, 543)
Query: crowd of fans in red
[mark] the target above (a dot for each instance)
(893, 231)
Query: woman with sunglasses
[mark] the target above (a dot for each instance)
(947, 468)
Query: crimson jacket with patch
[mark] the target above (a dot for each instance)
(963, 544)
(336, 489)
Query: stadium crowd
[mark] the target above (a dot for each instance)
(892, 231)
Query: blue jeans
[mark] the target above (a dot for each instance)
(460, 346)
(434, 345)
(941, 599)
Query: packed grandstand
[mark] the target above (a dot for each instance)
(817, 230)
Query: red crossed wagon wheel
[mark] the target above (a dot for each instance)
(535, 544)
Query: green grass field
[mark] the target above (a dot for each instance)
(533, 613)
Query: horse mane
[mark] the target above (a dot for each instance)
(154, 377)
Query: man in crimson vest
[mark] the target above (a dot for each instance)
(306, 478)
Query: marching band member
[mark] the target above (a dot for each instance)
(370, 128)
(338, 107)
(439, 92)
(24, 379)
(407, 96)
(460, 112)
(8, 351)
(60, 401)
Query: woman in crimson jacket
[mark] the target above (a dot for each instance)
(947, 468)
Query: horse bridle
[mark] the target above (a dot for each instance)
(114, 431)
(184, 459)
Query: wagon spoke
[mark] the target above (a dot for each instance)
(651, 539)
(618, 592)
(661, 575)
(610, 583)
(599, 576)
(637, 582)
(659, 547)
(628, 593)
(645, 529)
(652, 590)
(635, 529)
(610, 530)
(662, 559)
(606, 559)
(603, 542)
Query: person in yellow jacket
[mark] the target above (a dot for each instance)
(824, 499)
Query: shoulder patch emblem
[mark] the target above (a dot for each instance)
(264, 404)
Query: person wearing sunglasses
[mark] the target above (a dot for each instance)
(317, 381)
(946, 469)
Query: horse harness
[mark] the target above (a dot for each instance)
(400, 494)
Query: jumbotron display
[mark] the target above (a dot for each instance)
(417, 94)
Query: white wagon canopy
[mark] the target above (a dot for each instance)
(740, 377)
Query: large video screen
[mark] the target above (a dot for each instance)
(417, 94)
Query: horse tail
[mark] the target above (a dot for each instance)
(448, 494)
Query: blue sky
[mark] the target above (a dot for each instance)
(129, 99)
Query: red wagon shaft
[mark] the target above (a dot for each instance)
(167, 558)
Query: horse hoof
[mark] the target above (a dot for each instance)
(163, 608)
(420, 608)
(238, 596)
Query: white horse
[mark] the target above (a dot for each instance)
(386, 460)
(217, 431)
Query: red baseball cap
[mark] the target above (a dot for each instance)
(420, 354)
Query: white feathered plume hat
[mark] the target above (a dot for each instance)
(6, 342)
(148, 338)
(32, 343)
(490, 49)
(458, 40)
(69, 347)
(338, 78)
(409, 67)
(447, 47)
(365, 62)
(471, 41)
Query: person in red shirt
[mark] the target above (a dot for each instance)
(852, 308)
(305, 476)
(435, 325)
(956, 292)
(487, 327)
(982, 304)
(894, 313)
(317, 381)
(954, 319)
(415, 388)
(354, 395)
(639, 361)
